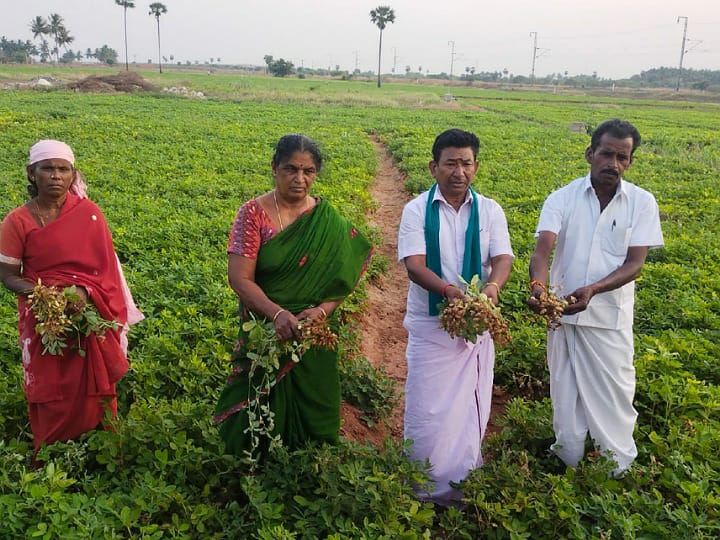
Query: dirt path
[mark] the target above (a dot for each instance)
(383, 338)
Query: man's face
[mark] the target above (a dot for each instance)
(454, 171)
(609, 160)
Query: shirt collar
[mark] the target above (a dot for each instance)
(439, 197)
(588, 186)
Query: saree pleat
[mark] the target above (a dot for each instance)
(318, 258)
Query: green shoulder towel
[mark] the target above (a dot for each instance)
(472, 260)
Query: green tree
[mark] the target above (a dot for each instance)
(39, 27)
(381, 16)
(15, 51)
(279, 67)
(106, 55)
(125, 5)
(157, 9)
(68, 57)
(268, 60)
(44, 50)
(64, 38)
(57, 26)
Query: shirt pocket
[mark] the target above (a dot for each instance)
(617, 241)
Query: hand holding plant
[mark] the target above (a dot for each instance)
(265, 350)
(550, 306)
(65, 314)
(470, 316)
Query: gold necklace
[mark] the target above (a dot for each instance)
(39, 214)
(277, 209)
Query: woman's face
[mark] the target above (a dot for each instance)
(52, 177)
(294, 177)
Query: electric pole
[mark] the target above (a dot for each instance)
(682, 51)
(395, 57)
(452, 56)
(357, 69)
(534, 56)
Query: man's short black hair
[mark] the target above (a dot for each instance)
(620, 129)
(455, 138)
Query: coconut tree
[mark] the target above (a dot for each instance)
(39, 27)
(125, 5)
(64, 38)
(44, 50)
(57, 27)
(157, 9)
(381, 16)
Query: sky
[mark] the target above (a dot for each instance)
(614, 38)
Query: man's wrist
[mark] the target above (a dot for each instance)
(443, 291)
(537, 283)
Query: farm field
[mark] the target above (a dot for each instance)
(170, 172)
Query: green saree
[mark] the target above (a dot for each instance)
(319, 257)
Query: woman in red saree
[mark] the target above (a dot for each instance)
(292, 257)
(60, 237)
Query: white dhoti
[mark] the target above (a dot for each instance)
(592, 385)
(448, 394)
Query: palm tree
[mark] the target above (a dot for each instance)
(125, 5)
(157, 9)
(39, 27)
(381, 16)
(44, 50)
(56, 26)
(64, 38)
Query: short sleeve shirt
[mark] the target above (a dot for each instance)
(592, 244)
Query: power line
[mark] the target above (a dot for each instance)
(452, 56)
(534, 55)
(682, 50)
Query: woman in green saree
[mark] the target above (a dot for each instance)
(291, 257)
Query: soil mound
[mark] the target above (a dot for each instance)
(122, 82)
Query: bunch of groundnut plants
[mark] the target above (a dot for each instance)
(60, 327)
(264, 352)
(552, 307)
(471, 316)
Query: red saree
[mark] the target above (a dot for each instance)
(68, 395)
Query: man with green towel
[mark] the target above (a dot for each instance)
(447, 233)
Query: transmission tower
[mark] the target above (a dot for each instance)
(452, 56)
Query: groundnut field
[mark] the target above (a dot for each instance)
(170, 171)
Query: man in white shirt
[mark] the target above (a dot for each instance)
(448, 232)
(604, 227)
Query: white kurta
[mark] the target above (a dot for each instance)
(448, 391)
(590, 357)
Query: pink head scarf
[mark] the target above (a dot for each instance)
(52, 149)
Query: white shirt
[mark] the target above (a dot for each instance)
(592, 244)
(494, 240)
